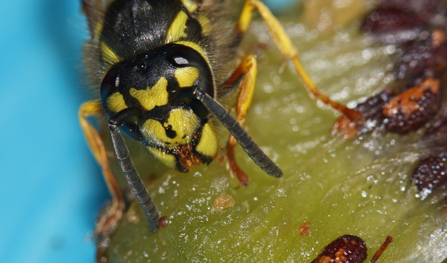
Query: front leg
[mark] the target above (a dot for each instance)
(287, 49)
(248, 70)
(115, 212)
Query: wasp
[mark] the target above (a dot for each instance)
(160, 69)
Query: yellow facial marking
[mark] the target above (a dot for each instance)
(181, 126)
(194, 46)
(177, 28)
(208, 142)
(186, 76)
(190, 5)
(166, 158)
(151, 97)
(116, 103)
(205, 23)
(108, 55)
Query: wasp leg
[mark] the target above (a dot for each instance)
(286, 47)
(248, 69)
(236, 129)
(89, 109)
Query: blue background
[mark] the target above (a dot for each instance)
(50, 187)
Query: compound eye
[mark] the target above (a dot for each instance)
(183, 56)
(180, 56)
(109, 85)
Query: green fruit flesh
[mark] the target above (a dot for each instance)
(359, 187)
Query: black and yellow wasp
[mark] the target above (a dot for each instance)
(160, 67)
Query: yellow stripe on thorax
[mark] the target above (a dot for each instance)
(98, 30)
(205, 24)
(151, 97)
(177, 29)
(190, 5)
(108, 55)
(186, 76)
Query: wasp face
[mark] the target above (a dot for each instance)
(154, 89)
(155, 58)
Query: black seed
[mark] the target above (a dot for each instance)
(372, 109)
(345, 249)
(430, 173)
(421, 56)
(397, 21)
(372, 116)
(413, 108)
(425, 9)
(390, 22)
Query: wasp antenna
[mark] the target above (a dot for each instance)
(132, 176)
(239, 133)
